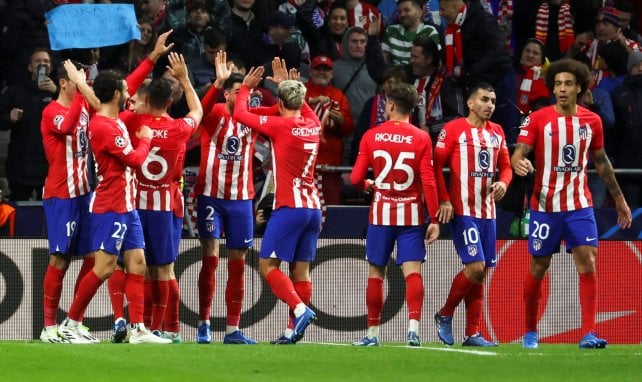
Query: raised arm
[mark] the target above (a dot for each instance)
(241, 111)
(222, 74)
(78, 78)
(178, 69)
(138, 75)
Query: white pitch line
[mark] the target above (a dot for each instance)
(475, 352)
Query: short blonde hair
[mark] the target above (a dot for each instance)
(292, 94)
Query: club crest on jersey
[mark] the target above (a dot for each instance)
(537, 244)
(120, 141)
(494, 141)
(58, 120)
(472, 250)
(583, 132)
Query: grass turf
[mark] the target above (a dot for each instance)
(35, 361)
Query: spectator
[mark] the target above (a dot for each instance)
(138, 50)
(627, 11)
(476, 52)
(290, 8)
(351, 75)
(611, 59)
(398, 38)
(529, 76)
(177, 11)
(189, 39)
(246, 32)
(333, 109)
(374, 110)
(328, 39)
(202, 67)
(156, 11)
(21, 108)
(627, 103)
(554, 28)
(362, 13)
(277, 42)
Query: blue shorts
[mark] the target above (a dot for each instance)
(234, 217)
(160, 239)
(474, 239)
(547, 229)
(68, 227)
(380, 241)
(291, 235)
(113, 232)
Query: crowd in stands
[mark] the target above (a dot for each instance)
(349, 52)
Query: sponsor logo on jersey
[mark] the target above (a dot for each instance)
(58, 120)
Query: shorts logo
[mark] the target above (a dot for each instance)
(120, 141)
(472, 250)
(119, 244)
(537, 244)
(209, 227)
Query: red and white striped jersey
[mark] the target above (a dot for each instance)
(295, 145)
(227, 148)
(475, 157)
(64, 137)
(400, 155)
(156, 178)
(115, 156)
(562, 145)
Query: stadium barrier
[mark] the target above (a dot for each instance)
(339, 277)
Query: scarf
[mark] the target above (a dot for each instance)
(564, 22)
(322, 110)
(424, 105)
(454, 45)
(378, 113)
(524, 92)
(504, 15)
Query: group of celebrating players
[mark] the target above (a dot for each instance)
(128, 229)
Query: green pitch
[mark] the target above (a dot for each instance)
(187, 362)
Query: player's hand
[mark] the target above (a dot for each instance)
(15, 114)
(77, 76)
(432, 233)
(48, 85)
(624, 218)
(145, 132)
(160, 48)
(445, 212)
(369, 186)
(254, 77)
(222, 71)
(499, 190)
(523, 167)
(279, 71)
(177, 66)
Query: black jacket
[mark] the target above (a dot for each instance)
(627, 103)
(26, 162)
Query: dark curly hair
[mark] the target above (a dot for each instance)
(569, 65)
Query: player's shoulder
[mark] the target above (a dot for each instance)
(587, 115)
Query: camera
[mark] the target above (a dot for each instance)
(42, 74)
